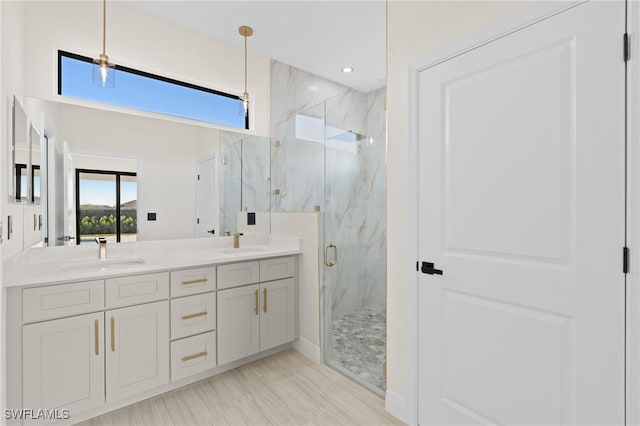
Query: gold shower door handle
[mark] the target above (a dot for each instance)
(335, 255)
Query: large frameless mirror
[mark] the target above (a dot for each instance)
(18, 154)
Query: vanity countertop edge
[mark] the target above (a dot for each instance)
(21, 271)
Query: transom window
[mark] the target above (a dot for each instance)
(150, 92)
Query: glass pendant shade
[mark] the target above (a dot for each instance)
(104, 73)
(244, 108)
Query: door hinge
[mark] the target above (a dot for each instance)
(625, 259)
(418, 265)
(198, 177)
(198, 221)
(626, 47)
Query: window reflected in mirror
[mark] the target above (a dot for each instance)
(106, 206)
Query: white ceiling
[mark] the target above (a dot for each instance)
(320, 37)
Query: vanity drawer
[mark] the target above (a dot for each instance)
(192, 315)
(136, 289)
(56, 301)
(276, 269)
(237, 274)
(193, 281)
(193, 355)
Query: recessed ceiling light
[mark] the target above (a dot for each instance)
(347, 69)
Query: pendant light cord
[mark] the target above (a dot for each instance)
(104, 27)
(245, 65)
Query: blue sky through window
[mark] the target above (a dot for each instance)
(149, 94)
(103, 192)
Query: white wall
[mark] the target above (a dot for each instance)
(415, 29)
(307, 226)
(138, 40)
(166, 154)
(11, 83)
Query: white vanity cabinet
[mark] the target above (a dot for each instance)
(238, 323)
(277, 317)
(137, 355)
(63, 363)
(256, 317)
(94, 345)
(193, 321)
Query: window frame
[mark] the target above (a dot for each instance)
(117, 175)
(64, 53)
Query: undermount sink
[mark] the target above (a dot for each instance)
(244, 250)
(101, 265)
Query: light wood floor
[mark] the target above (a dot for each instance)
(284, 389)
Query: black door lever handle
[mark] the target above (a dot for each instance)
(427, 268)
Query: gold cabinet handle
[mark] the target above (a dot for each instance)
(257, 293)
(264, 292)
(113, 334)
(96, 330)
(194, 356)
(198, 281)
(196, 315)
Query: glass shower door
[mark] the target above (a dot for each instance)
(354, 252)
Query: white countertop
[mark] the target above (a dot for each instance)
(53, 265)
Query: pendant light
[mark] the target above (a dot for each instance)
(104, 73)
(245, 32)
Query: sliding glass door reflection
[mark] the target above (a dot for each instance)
(106, 206)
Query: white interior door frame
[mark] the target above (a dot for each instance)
(217, 195)
(409, 413)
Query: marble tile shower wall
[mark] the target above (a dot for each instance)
(230, 180)
(245, 181)
(349, 184)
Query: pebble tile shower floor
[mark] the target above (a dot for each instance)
(359, 344)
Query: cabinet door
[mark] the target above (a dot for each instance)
(238, 323)
(63, 363)
(277, 316)
(137, 356)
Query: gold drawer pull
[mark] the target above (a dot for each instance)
(196, 315)
(96, 331)
(198, 281)
(113, 334)
(265, 300)
(257, 293)
(194, 356)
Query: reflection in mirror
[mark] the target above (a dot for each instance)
(245, 182)
(19, 155)
(161, 159)
(35, 169)
(106, 206)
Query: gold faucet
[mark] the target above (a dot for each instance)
(102, 243)
(236, 239)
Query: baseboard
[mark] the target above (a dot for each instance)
(307, 349)
(397, 406)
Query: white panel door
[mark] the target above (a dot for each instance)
(238, 323)
(137, 356)
(207, 208)
(522, 208)
(277, 316)
(64, 364)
